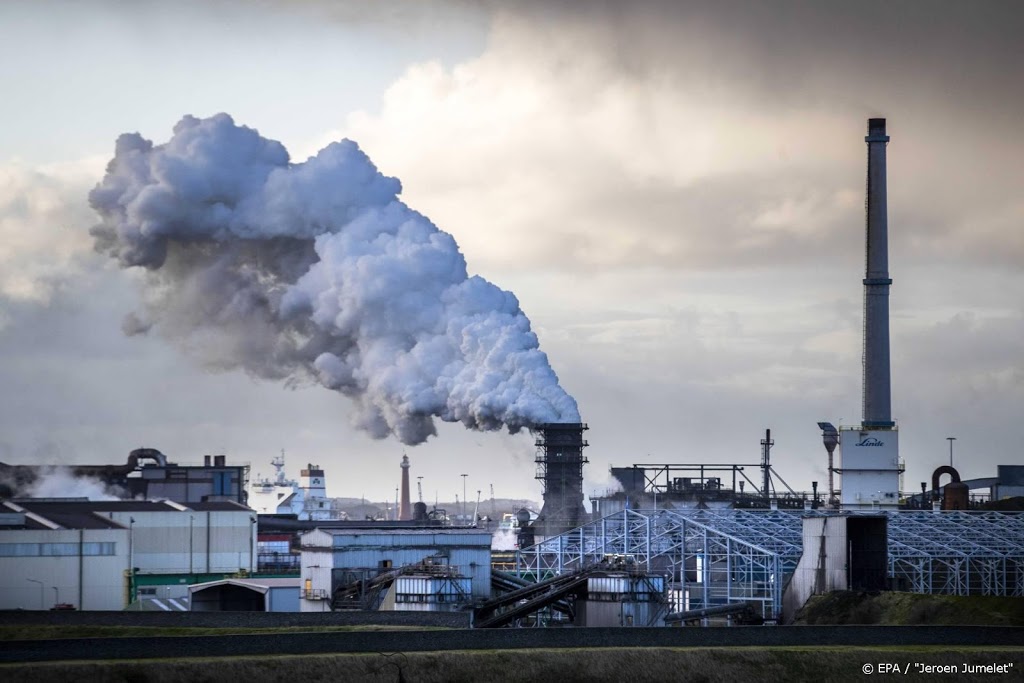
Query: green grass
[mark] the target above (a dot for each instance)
(709, 665)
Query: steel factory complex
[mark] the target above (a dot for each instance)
(677, 544)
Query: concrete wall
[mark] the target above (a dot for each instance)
(822, 566)
(86, 580)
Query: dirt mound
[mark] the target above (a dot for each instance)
(850, 607)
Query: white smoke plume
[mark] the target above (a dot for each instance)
(317, 271)
(61, 482)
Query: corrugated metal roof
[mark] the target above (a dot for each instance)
(218, 506)
(46, 508)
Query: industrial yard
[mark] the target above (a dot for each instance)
(527, 341)
(678, 545)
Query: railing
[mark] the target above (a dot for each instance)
(314, 594)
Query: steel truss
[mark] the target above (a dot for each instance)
(714, 557)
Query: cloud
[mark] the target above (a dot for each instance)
(703, 136)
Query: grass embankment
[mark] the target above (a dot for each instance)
(708, 665)
(49, 632)
(908, 609)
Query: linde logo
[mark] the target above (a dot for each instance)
(870, 441)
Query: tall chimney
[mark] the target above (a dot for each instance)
(877, 394)
(560, 463)
(404, 509)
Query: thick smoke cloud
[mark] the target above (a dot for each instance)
(317, 271)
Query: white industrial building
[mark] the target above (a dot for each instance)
(454, 566)
(81, 553)
(870, 467)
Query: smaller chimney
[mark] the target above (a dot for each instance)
(405, 509)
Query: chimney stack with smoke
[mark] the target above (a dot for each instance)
(316, 272)
(560, 463)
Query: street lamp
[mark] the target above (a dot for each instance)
(950, 439)
(464, 497)
(56, 593)
(131, 559)
(41, 590)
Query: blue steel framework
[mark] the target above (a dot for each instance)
(713, 557)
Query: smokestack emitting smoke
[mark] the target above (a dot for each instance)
(316, 270)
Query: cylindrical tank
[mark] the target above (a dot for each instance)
(955, 496)
(419, 511)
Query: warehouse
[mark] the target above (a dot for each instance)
(91, 554)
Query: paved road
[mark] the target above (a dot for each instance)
(427, 641)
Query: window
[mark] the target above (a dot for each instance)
(19, 549)
(56, 549)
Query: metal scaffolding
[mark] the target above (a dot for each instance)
(716, 557)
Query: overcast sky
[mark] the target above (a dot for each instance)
(673, 190)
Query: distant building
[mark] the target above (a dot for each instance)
(147, 475)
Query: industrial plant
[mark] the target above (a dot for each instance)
(676, 544)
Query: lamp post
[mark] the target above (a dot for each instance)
(464, 497)
(950, 439)
(56, 594)
(131, 559)
(41, 590)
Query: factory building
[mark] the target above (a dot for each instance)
(101, 555)
(148, 474)
(346, 568)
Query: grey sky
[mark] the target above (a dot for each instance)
(673, 190)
